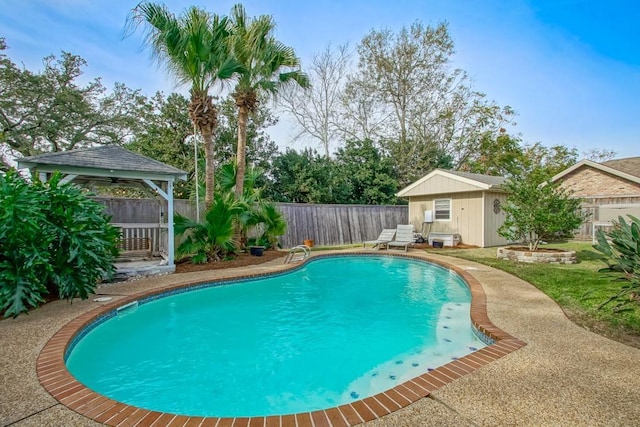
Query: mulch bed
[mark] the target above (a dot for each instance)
(245, 259)
(242, 260)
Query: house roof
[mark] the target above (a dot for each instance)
(627, 168)
(475, 182)
(629, 165)
(107, 160)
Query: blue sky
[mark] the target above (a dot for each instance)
(571, 69)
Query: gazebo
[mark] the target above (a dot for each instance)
(112, 165)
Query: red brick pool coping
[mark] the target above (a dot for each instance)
(56, 379)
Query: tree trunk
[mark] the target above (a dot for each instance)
(204, 116)
(209, 168)
(243, 116)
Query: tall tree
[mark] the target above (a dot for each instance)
(434, 112)
(540, 163)
(194, 48)
(369, 172)
(317, 111)
(266, 66)
(306, 177)
(363, 115)
(501, 155)
(599, 155)
(167, 135)
(50, 111)
(505, 155)
(260, 148)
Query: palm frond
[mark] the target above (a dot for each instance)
(183, 224)
(194, 47)
(226, 177)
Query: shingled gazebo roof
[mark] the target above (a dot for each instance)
(105, 161)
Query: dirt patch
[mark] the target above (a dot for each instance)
(242, 260)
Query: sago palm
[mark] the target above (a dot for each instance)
(212, 239)
(266, 65)
(271, 223)
(194, 47)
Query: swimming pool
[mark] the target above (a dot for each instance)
(335, 331)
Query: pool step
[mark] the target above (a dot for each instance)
(127, 308)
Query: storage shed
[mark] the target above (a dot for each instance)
(451, 202)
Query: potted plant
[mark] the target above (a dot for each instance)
(256, 250)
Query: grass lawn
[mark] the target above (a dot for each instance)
(579, 289)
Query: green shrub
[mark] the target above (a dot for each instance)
(271, 224)
(24, 258)
(621, 248)
(536, 212)
(53, 240)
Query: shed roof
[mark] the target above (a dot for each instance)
(473, 181)
(107, 160)
(627, 168)
(485, 179)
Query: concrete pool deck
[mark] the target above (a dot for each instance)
(565, 375)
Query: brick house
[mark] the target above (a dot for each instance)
(609, 189)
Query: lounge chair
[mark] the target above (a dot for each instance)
(404, 237)
(383, 239)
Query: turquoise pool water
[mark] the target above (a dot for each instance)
(338, 329)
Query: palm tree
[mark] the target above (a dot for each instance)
(194, 48)
(266, 66)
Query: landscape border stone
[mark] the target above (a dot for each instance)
(541, 257)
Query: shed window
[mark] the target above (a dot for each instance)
(442, 209)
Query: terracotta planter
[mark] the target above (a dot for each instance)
(308, 242)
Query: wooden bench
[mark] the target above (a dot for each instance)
(134, 246)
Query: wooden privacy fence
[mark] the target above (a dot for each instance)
(338, 224)
(325, 224)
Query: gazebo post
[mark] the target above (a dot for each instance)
(168, 196)
(170, 235)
